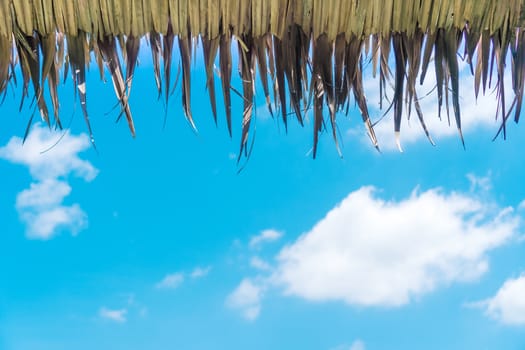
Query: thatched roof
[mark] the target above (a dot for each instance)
(309, 51)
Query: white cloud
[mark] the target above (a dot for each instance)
(130, 298)
(143, 312)
(174, 280)
(40, 206)
(481, 183)
(357, 345)
(199, 272)
(44, 224)
(171, 281)
(259, 264)
(118, 315)
(45, 194)
(265, 236)
(247, 299)
(58, 161)
(371, 252)
(508, 305)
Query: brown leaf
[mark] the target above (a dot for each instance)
(225, 63)
(108, 49)
(132, 54)
(185, 54)
(261, 49)
(76, 56)
(247, 62)
(156, 52)
(210, 48)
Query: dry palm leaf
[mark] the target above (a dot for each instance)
(210, 48)
(108, 49)
(5, 61)
(281, 38)
(225, 63)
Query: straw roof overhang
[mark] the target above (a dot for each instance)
(308, 51)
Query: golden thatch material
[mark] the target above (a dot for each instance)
(312, 50)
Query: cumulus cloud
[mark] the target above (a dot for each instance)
(247, 299)
(41, 205)
(59, 161)
(266, 236)
(508, 305)
(171, 281)
(115, 315)
(371, 252)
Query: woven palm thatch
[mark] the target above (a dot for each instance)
(309, 51)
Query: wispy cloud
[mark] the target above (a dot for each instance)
(259, 264)
(265, 236)
(357, 345)
(115, 315)
(176, 279)
(508, 305)
(131, 307)
(171, 281)
(199, 272)
(247, 298)
(41, 205)
(480, 183)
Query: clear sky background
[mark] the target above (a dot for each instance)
(158, 243)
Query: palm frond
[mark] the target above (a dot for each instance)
(306, 49)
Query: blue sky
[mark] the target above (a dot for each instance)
(157, 242)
